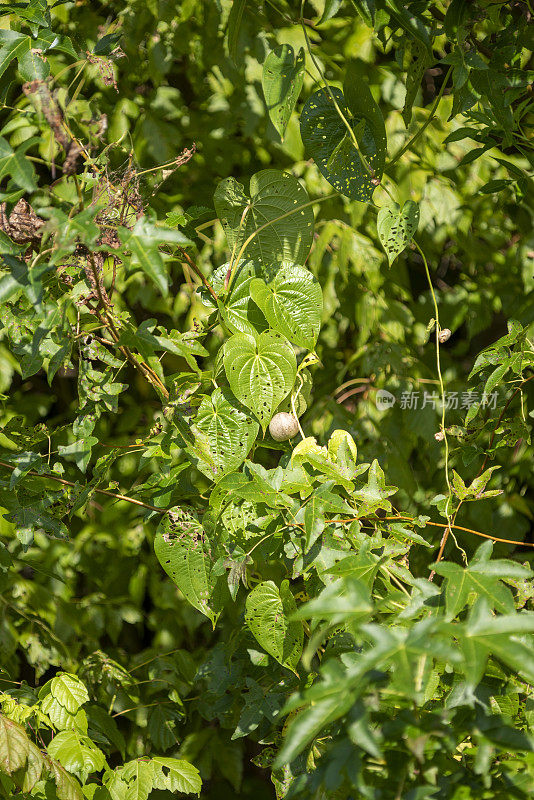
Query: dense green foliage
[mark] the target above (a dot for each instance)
(214, 213)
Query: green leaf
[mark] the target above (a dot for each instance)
(266, 613)
(329, 143)
(234, 26)
(67, 787)
(340, 600)
(278, 213)
(373, 495)
(181, 776)
(479, 580)
(22, 47)
(229, 432)
(143, 242)
(331, 7)
(396, 227)
(140, 777)
(261, 371)
(15, 163)
(182, 550)
(419, 62)
(14, 746)
(76, 753)
(238, 311)
(282, 80)
(292, 304)
(366, 10)
(496, 376)
(69, 691)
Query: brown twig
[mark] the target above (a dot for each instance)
(480, 471)
(100, 491)
(440, 525)
(107, 320)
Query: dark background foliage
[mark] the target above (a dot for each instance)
(98, 604)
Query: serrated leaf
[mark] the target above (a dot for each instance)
(277, 209)
(14, 746)
(261, 371)
(229, 432)
(25, 49)
(181, 776)
(396, 227)
(69, 691)
(292, 304)
(67, 787)
(181, 550)
(282, 80)
(76, 753)
(266, 613)
(327, 140)
(140, 776)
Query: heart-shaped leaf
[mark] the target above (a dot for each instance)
(228, 431)
(292, 304)
(181, 549)
(267, 613)
(329, 142)
(260, 370)
(276, 214)
(282, 80)
(396, 227)
(239, 313)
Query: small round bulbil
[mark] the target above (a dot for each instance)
(283, 426)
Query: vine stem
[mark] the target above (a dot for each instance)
(439, 525)
(506, 541)
(448, 529)
(100, 491)
(425, 125)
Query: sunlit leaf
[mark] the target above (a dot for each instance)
(267, 615)
(260, 370)
(396, 227)
(283, 76)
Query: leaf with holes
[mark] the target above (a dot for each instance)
(261, 371)
(292, 304)
(230, 433)
(276, 216)
(267, 613)
(282, 79)
(76, 753)
(419, 61)
(239, 313)
(329, 142)
(183, 552)
(179, 775)
(396, 227)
